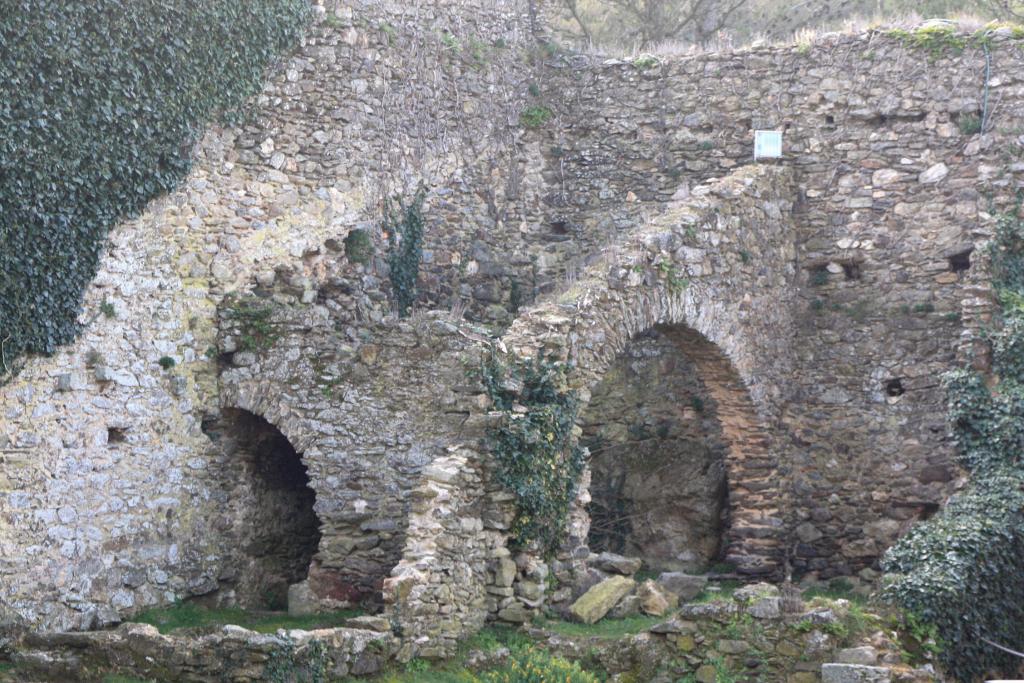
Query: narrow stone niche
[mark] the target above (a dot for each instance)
(658, 486)
(268, 509)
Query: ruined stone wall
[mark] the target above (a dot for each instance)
(113, 497)
(890, 188)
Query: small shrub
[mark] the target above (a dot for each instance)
(535, 116)
(359, 247)
(107, 309)
(969, 124)
(450, 42)
(166, 362)
(254, 320)
(404, 227)
(645, 62)
(537, 456)
(538, 666)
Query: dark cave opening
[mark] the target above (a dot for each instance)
(272, 514)
(658, 487)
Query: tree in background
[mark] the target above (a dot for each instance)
(647, 22)
(644, 24)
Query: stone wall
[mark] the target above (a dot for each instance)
(679, 273)
(892, 196)
(818, 302)
(112, 494)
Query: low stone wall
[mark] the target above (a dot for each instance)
(230, 654)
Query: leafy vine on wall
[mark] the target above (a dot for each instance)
(960, 572)
(101, 104)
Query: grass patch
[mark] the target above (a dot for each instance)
(837, 589)
(495, 636)
(118, 678)
(606, 628)
(417, 673)
(725, 590)
(184, 615)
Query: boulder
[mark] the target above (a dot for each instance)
(854, 673)
(616, 564)
(515, 613)
(655, 600)
(686, 586)
(629, 606)
(600, 599)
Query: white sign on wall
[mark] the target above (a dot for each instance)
(767, 144)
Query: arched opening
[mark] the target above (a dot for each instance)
(659, 488)
(269, 505)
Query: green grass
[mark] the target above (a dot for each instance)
(606, 628)
(725, 590)
(118, 678)
(190, 615)
(495, 636)
(837, 589)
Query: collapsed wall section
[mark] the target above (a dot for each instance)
(458, 567)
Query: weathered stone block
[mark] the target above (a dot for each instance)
(600, 599)
(616, 564)
(686, 586)
(865, 655)
(654, 599)
(854, 673)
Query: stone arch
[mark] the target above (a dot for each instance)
(686, 273)
(658, 487)
(267, 507)
(363, 511)
(598, 333)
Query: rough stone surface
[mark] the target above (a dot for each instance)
(865, 655)
(600, 599)
(654, 600)
(229, 654)
(686, 586)
(814, 299)
(854, 673)
(616, 564)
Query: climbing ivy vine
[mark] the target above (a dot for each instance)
(101, 103)
(536, 454)
(961, 571)
(404, 227)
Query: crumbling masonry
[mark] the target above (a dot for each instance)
(808, 307)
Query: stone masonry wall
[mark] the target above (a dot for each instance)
(657, 452)
(818, 302)
(890, 189)
(680, 273)
(111, 494)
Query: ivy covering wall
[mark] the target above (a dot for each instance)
(101, 102)
(537, 457)
(961, 571)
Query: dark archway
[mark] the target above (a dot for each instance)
(658, 488)
(270, 507)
